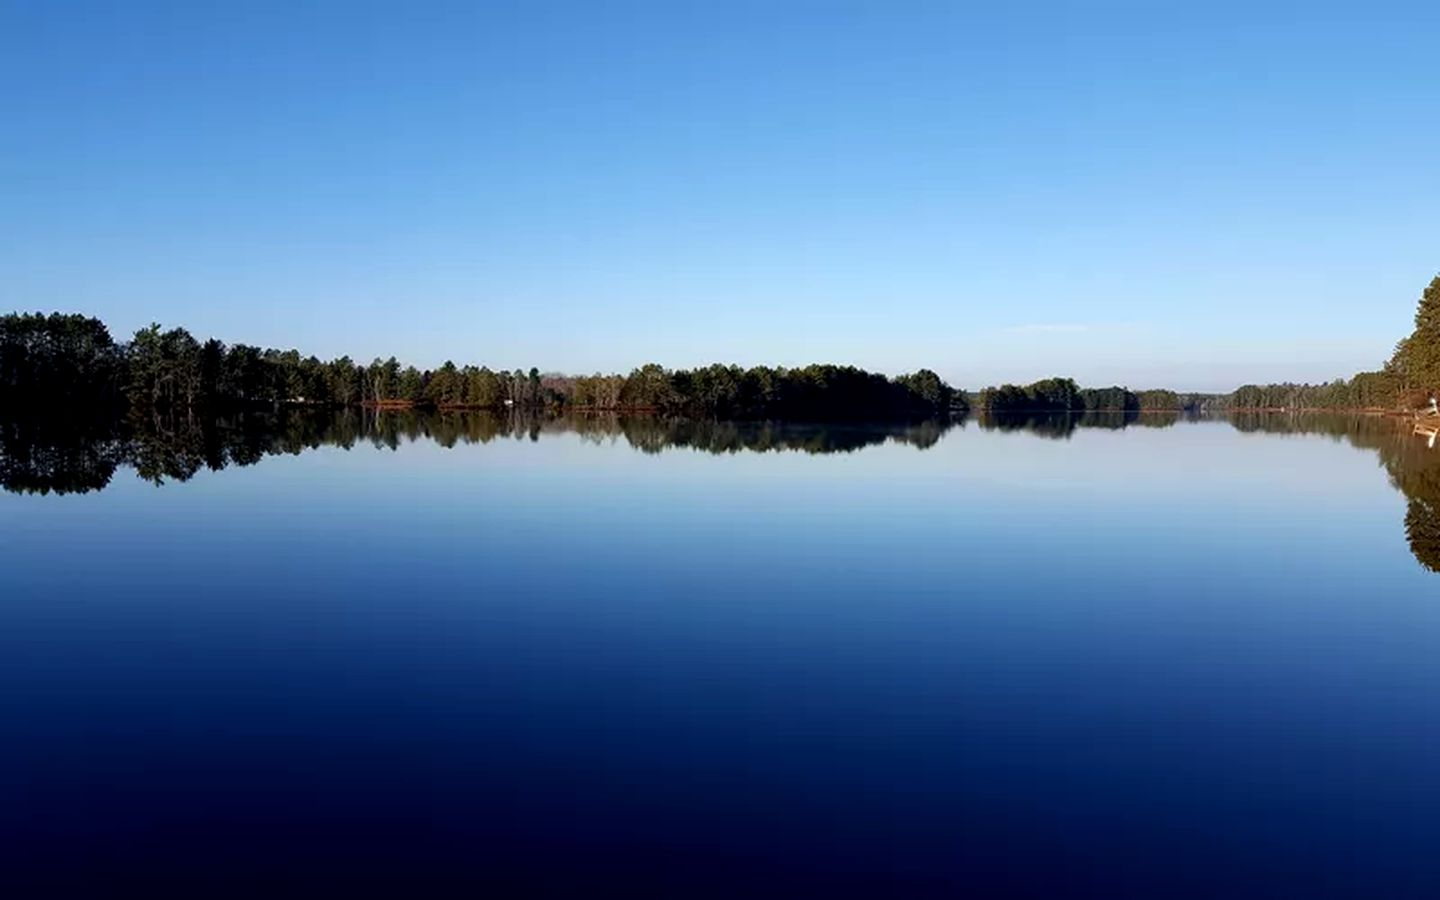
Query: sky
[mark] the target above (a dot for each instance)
(1141, 194)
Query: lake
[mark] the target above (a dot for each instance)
(408, 654)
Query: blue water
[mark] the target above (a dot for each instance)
(1151, 662)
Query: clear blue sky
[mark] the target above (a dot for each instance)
(1136, 193)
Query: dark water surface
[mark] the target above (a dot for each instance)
(409, 655)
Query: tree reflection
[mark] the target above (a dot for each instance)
(58, 455)
(1406, 449)
(1062, 426)
(80, 453)
(1417, 474)
(655, 435)
(41, 454)
(1058, 426)
(1422, 530)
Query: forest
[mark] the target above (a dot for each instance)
(72, 361)
(1063, 395)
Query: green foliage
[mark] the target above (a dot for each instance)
(446, 386)
(1048, 395)
(597, 391)
(58, 359)
(71, 359)
(1111, 399)
(1415, 364)
(1160, 399)
(648, 387)
(483, 388)
(61, 358)
(164, 368)
(927, 391)
(411, 388)
(1368, 390)
(813, 392)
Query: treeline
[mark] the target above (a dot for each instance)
(1049, 395)
(1407, 380)
(1415, 364)
(59, 359)
(71, 360)
(722, 391)
(1063, 395)
(1368, 390)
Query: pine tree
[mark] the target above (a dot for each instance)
(1424, 344)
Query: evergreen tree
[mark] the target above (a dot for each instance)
(1424, 343)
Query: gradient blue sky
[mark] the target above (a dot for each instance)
(1132, 193)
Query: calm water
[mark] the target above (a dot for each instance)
(1170, 659)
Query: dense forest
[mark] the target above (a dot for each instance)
(1368, 390)
(71, 360)
(1062, 395)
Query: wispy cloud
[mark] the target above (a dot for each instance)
(1091, 328)
(1050, 328)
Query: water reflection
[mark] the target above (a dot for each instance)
(66, 456)
(1063, 425)
(1407, 449)
(63, 456)
(60, 455)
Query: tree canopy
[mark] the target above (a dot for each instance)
(68, 359)
(71, 360)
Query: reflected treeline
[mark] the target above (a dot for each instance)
(651, 435)
(1408, 449)
(60, 455)
(1063, 425)
(48, 455)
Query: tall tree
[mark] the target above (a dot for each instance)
(1424, 343)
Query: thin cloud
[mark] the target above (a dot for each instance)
(1049, 328)
(1074, 328)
